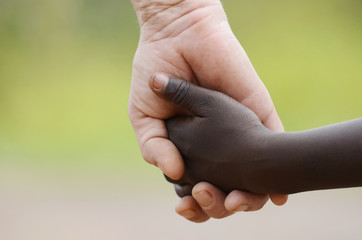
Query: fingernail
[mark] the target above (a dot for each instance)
(188, 214)
(160, 81)
(204, 198)
(242, 208)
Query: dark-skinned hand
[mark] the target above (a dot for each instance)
(224, 143)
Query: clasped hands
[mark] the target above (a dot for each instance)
(224, 143)
(192, 40)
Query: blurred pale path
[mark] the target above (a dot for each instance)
(70, 167)
(62, 205)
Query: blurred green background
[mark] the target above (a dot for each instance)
(65, 71)
(70, 167)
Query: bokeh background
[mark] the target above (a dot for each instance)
(70, 167)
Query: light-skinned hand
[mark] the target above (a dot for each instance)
(192, 40)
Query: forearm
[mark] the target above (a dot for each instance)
(322, 158)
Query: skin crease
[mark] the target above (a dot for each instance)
(224, 143)
(192, 40)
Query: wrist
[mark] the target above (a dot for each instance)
(264, 168)
(149, 9)
(166, 18)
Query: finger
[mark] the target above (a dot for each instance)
(183, 94)
(211, 200)
(183, 190)
(273, 122)
(189, 209)
(239, 201)
(155, 146)
(182, 187)
(278, 199)
(163, 154)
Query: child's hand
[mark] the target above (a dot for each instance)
(224, 143)
(218, 137)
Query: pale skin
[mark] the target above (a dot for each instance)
(192, 40)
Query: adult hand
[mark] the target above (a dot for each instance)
(192, 40)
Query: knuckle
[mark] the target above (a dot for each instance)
(147, 154)
(131, 111)
(181, 93)
(148, 159)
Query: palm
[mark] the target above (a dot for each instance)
(207, 54)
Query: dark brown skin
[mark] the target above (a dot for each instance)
(224, 143)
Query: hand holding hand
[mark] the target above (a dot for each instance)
(192, 40)
(220, 139)
(224, 143)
